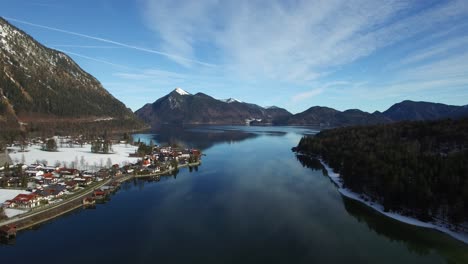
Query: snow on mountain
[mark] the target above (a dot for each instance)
(181, 91)
(36, 81)
(231, 100)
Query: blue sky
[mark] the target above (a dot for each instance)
(293, 54)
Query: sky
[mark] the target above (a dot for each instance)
(294, 54)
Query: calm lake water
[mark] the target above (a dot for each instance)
(251, 201)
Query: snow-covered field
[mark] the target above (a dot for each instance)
(7, 194)
(335, 177)
(14, 212)
(78, 157)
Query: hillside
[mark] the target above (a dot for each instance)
(329, 117)
(181, 107)
(411, 110)
(41, 88)
(403, 111)
(415, 168)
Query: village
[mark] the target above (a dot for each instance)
(38, 188)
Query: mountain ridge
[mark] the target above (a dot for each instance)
(157, 113)
(39, 84)
(200, 108)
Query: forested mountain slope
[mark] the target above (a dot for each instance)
(43, 88)
(416, 168)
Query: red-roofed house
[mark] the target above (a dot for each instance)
(25, 201)
(49, 178)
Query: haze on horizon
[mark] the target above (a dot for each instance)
(292, 54)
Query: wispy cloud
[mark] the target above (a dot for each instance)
(152, 74)
(95, 59)
(168, 55)
(306, 95)
(297, 41)
(317, 91)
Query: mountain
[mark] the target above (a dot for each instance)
(231, 100)
(410, 110)
(42, 88)
(403, 111)
(329, 117)
(181, 107)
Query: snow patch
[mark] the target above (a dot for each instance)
(67, 155)
(181, 91)
(10, 212)
(231, 100)
(103, 119)
(335, 177)
(7, 194)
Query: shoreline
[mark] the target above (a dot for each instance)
(43, 216)
(336, 179)
(19, 219)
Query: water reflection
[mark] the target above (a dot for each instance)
(309, 162)
(253, 201)
(418, 240)
(197, 137)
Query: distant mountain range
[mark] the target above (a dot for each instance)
(181, 107)
(409, 110)
(42, 87)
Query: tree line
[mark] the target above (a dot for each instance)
(415, 168)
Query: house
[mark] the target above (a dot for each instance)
(35, 166)
(102, 173)
(25, 201)
(34, 173)
(68, 173)
(49, 169)
(71, 185)
(89, 201)
(8, 231)
(13, 181)
(83, 182)
(52, 192)
(151, 169)
(146, 162)
(99, 194)
(49, 178)
(88, 174)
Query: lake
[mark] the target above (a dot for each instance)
(251, 201)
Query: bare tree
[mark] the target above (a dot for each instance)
(82, 162)
(109, 163)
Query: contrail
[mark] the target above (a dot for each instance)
(86, 46)
(114, 42)
(94, 59)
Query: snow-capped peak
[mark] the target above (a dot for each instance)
(231, 100)
(181, 91)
